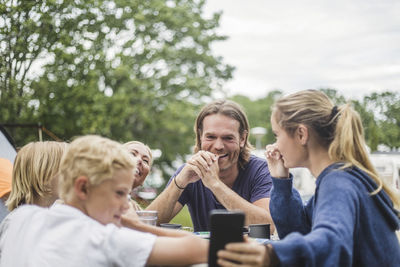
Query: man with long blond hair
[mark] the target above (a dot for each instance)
(222, 174)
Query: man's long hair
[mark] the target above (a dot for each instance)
(232, 110)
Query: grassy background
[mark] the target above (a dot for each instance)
(183, 217)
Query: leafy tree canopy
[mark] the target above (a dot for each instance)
(379, 112)
(123, 69)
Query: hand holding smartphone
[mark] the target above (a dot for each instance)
(225, 227)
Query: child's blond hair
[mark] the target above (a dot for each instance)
(95, 157)
(35, 166)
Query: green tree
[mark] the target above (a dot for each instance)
(371, 130)
(259, 113)
(379, 112)
(385, 107)
(333, 94)
(123, 69)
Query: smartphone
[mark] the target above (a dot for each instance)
(225, 227)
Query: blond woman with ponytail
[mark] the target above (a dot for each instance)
(353, 216)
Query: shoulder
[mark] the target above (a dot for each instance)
(25, 211)
(256, 166)
(333, 176)
(256, 162)
(19, 217)
(342, 182)
(256, 170)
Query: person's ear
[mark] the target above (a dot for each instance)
(302, 134)
(81, 186)
(243, 138)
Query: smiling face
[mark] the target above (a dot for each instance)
(220, 136)
(143, 162)
(293, 152)
(107, 201)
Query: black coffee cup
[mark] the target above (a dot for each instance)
(259, 231)
(171, 225)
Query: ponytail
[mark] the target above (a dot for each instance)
(338, 129)
(349, 146)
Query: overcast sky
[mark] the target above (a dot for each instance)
(350, 45)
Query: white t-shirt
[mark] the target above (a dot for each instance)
(64, 236)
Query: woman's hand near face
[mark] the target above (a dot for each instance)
(275, 162)
(248, 253)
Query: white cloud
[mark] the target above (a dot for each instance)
(290, 45)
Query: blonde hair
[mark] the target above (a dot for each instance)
(232, 110)
(127, 144)
(35, 166)
(92, 156)
(339, 129)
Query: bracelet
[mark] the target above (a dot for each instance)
(181, 188)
